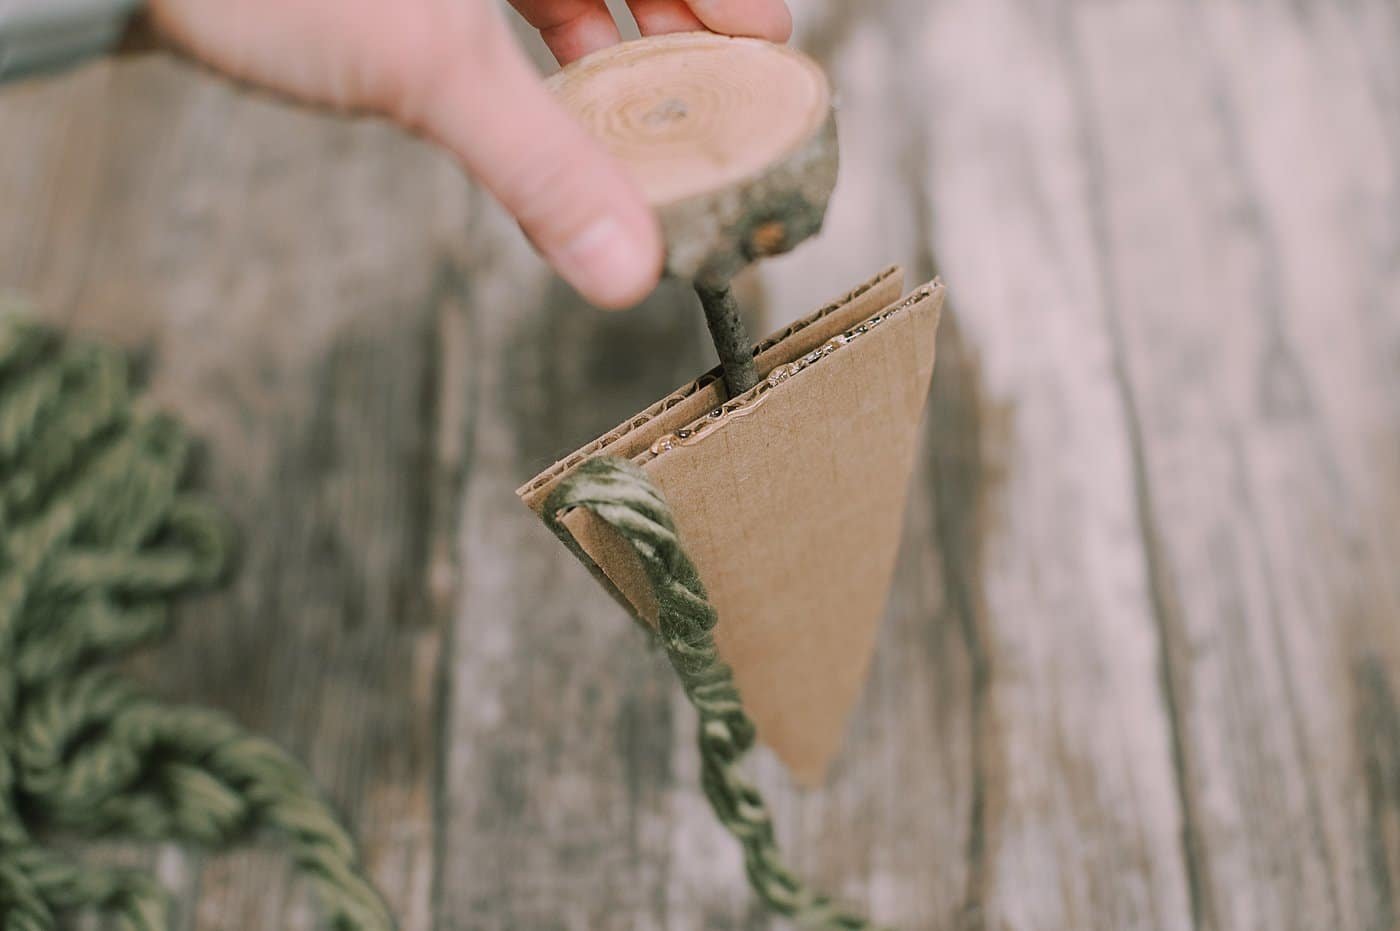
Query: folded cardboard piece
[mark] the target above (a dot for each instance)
(789, 499)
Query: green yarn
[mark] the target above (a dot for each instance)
(96, 537)
(621, 495)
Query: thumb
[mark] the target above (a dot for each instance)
(572, 199)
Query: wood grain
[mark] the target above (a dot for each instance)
(732, 141)
(1141, 662)
(1256, 394)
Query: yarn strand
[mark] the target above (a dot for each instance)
(622, 496)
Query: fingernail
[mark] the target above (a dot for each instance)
(607, 263)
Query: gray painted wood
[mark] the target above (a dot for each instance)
(1139, 668)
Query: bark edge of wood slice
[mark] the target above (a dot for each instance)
(732, 140)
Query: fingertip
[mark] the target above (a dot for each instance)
(761, 19)
(782, 21)
(662, 17)
(775, 21)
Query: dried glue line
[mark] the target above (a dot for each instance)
(748, 403)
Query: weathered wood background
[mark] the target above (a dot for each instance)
(1140, 668)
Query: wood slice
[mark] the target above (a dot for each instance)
(733, 141)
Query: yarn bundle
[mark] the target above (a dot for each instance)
(97, 537)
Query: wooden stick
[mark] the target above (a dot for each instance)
(732, 342)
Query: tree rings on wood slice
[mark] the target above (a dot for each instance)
(733, 141)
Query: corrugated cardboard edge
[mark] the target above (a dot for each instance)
(707, 392)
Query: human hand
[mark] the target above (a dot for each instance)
(450, 71)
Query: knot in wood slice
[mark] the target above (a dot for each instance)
(733, 141)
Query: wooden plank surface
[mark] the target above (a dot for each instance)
(295, 326)
(1139, 668)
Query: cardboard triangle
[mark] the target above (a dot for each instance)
(790, 502)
